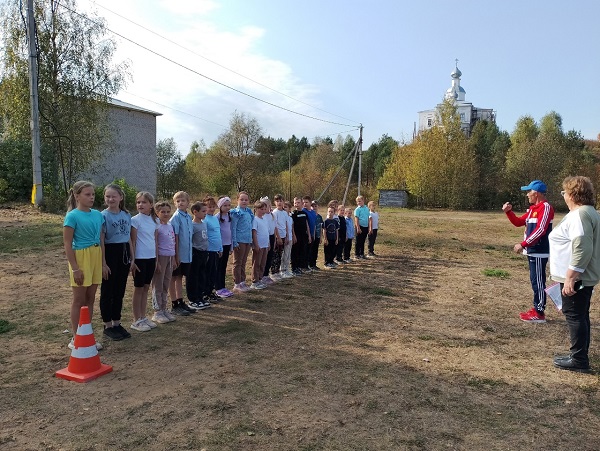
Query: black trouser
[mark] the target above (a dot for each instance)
(222, 268)
(359, 247)
(339, 249)
(196, 279)
(347, 248)
(330, 249)
(299, 253)
(112, 290)
(269, 255)
(372, 238)
(314, 251)
(576, 309)
(276, 261)
(212, 263)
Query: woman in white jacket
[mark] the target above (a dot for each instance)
(575, 263)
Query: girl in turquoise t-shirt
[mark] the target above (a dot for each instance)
(84, 248)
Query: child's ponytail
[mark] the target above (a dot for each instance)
(77, 188)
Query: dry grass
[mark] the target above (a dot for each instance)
(419, 349)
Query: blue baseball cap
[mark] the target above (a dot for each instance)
(536, 185)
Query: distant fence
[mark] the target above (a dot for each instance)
(393, 198)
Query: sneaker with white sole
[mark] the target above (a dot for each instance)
(160, 317)
(276, 277)
(169, 315)
(258, 286)
(150, 323)
(141, 326)
(266, 280)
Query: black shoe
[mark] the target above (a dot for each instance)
(316, 268)
(571, 365)
(183, 305)
(124, 332)
(178, 310)
(112, 333)
(562, 357)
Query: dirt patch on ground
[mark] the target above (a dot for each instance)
(416, 349)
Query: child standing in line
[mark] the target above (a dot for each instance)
(281, 239)
(285, 270)
(303, 239)
(260, 244)
(144, 231)
(84, 247)
(330, 237)
(241, 240)
(182, 225)
(164, 270)
(224, 205)
(269, 217)
(311, 216)
(339, 251)
(373, 226)
(314, 255)
(197, 280)
(349, 235)
(361, 226)
(215, 248)
(117, 251)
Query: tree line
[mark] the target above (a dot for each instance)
(443, 168)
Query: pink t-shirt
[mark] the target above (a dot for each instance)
(166, 240)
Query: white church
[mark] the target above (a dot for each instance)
(469, 114)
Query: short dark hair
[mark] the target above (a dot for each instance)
(197, 206)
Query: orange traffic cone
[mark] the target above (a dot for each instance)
(84, 364)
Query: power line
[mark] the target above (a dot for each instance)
(216, 63)
(175, 109)
(205, 76)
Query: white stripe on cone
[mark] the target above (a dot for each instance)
(84, 353)
(85, 329)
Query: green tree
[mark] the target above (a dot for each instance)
(76, 78)
(238, 144)
(376, 158)
(170, 168)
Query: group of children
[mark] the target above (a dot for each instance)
(159, 248)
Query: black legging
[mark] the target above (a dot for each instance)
(222, 268)
(269, 255)
(112, 290)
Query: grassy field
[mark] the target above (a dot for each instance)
(418, 349)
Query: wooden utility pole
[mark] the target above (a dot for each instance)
(359, 157)
(36, 193)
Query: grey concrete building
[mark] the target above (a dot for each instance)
(131, 155)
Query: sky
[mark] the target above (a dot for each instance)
(349, 62)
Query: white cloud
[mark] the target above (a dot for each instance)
(164, 82)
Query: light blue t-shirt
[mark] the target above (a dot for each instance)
(182, 225)
(116, 227)
(213, 228)
(362, 213)
(349, 229)
(86, 226)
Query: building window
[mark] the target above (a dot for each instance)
(429, 122)
(462, 117)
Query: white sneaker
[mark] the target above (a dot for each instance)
(141, 326)
(159, 317)
(289, 274)
(238, 288)
(169, 315)
(276, 277)
(150, 323)
(258, 286)
(267, 281)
